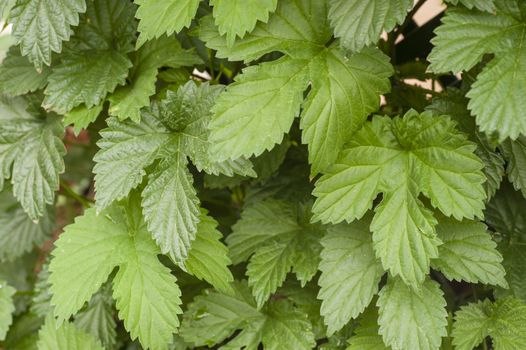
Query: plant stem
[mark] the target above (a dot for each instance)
(68, 192)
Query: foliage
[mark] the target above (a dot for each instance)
(264, 174)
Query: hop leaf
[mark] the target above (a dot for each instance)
(350, 273)
(216, 316)
(463, 39)
(65, 336)
(146, 293)
(344, 89)
(359, 23)
(40, 26)
(409, 319)
(503, 321)
(429, 156)
(7, 307)
(31, 154)
(278, 237)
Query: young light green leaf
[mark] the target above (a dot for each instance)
(31, 154)
(412, 319)
(18, 76)
(18, 233)
(359, 23)
(163, 17)
(208, 257)
(65, 336)
(265, 97)
(40, 26)
(146, 293)
(350, 273)
(345, 90)
(235, 18)
(7, 308)
(468, 253)
(430, 156)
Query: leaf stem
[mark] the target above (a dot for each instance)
(69, 192)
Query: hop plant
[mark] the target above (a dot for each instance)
(264, 174)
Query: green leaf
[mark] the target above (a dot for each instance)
(461, 42)
(350, 273)
(18, 233)
(40, 26)
(483, 5)
(235, 18)
(429, 156)
(515, 154)
(31, 154)
(472, 323)
(495, 97)
(163, 17)
(466, 36)
(468, 253)
(97, 318)
(268, 269)
(280, 238)
(213, 317)
(344, 91)
(126, 148)
(85, 78)
(82, 116)
(264, 97)
(171, 206)
(359, 23)
(287, 328)
(208, 257)
(367, 335)
(18, 76)
(455, 105)
(412, 319)
(127, 101)
(503, 321)
(298, 28)
(7, 308)
(146, 293)
(65, 336)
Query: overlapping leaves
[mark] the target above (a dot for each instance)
(461, 42)
(344, 90)
(170, 132)
(403, 158)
